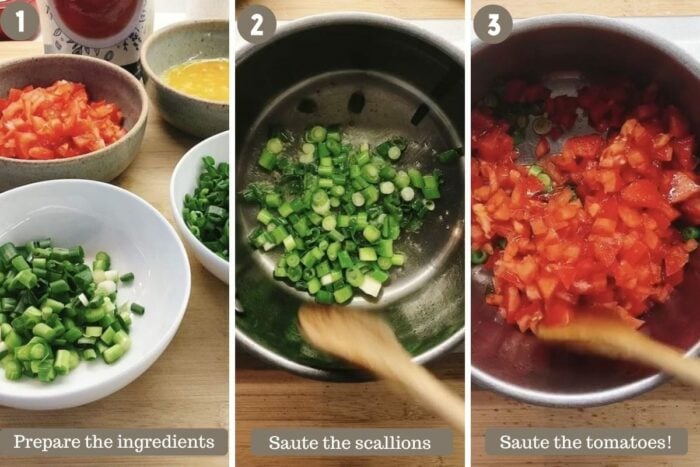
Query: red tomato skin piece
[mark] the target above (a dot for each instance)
(542, 148)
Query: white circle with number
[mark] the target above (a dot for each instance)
(256, 24)
(493, 24)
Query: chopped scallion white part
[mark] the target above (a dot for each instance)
(386, 187)
(371, 286)
(106, 287)
(308, 148)
(407, 193)
(93, 331)
(289, 243)
(112, 275)
(327, 279)
(358, 199)
(329, 223)
(394, 153)
(322, 209)
(98, 276)
(274, 145)
(306, 158)
(108, 306)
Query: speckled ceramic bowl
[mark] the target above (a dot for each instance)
(176, 44)
(103, 81)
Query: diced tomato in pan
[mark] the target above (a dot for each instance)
(593, 227)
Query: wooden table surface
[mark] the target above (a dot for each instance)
(671, 405)
(407, 9)
(529, 8)
(270, 398)
(185, 388)
(267, 397)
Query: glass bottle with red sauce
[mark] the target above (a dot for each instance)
(113, 30)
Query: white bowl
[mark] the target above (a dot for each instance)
(184, 181)
(101, 217)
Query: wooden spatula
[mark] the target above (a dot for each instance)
(364, 339)
(613, 339)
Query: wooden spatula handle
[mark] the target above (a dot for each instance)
(641, 348)
(616, 340)
(366, 340)
(418, 382)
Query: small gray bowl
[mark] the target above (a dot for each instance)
(103, 81)
(176, 44)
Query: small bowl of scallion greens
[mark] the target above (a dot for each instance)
(199, 199)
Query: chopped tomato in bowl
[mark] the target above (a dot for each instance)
(56, 122)
(68, 116)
